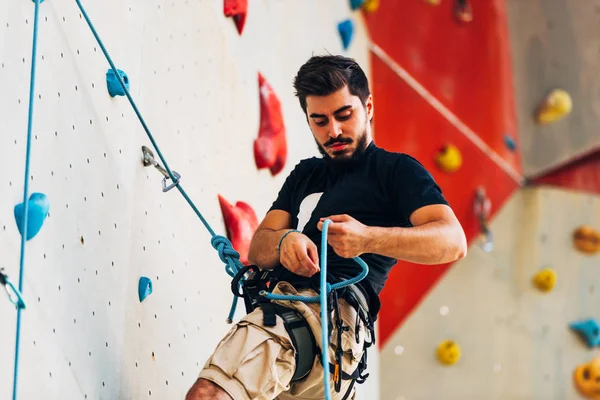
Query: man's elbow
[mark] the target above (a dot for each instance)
(460, 245)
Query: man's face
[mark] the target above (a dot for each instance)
(340, 123)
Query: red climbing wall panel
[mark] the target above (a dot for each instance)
(466, 68)
(582, 175)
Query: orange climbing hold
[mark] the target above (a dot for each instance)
(587, 239)
(587, 379)
(238, 9)
(241, 223)
(555, 106)
(370, 6)
(270, 148)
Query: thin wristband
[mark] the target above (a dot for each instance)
(283, 237)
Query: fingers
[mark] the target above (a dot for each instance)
(337, 218)
(307, 266)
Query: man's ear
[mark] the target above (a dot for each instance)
(369, 107)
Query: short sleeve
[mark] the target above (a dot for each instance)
(414, 187)
(286, 193)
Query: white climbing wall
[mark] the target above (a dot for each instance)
(84, 334)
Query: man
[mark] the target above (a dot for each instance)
(383, 206)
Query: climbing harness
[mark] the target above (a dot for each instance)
(257, 292)
(14, 294)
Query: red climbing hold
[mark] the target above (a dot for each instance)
(270, 148)
(241, 223)
(238, 9)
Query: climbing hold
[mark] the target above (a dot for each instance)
(371, 6)
(112, 82)
(448, 352)
(37, 210)
(356, 4)
(270, 148)
(433, 2)
(144, 288)
(556, 105)
(510, 142)
(588, 330)
(463, 11)
(346, 30)
(241, 223)
(587, 379)
(545, 279)
(481, 207)
(586, 239)
(449, 158)
(238, 9)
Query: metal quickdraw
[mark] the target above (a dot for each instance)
(148, 160)
(14, 295)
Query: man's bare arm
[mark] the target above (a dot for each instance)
(435, 238)
(263, 247)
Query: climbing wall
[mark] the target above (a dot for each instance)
(514, 339)
(554, 45)
(439, 83)
(194, 77)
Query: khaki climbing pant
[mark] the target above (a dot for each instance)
(254, 361)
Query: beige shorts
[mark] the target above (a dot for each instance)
(254, 361)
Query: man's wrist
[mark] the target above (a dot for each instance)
(283, 237)
(370, 240)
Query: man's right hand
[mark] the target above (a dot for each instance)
(299, 254)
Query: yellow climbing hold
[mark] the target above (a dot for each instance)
(448, 352)
(371, 6)
(556, 105)
(545, 279)
(449, 159)
(433, 2)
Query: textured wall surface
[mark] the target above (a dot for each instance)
(515, 339)
(555, 45)
(84, 334)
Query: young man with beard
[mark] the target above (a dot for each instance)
(384, 207)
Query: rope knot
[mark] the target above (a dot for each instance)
(225, 249)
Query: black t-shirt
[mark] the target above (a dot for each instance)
(381, 189)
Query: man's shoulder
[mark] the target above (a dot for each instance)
(307, 164)
(402, 160)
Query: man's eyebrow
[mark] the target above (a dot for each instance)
(339, 110)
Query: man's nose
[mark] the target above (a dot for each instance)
(336, 129)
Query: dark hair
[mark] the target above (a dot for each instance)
(323, 75)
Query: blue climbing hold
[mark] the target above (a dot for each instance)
(510, 143)
(112, 82)
(356, 4)
(144, 288)
(37, 210)
(589, 330)
(346, 30)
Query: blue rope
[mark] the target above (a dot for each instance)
(227, 253)
(325, 291)
(26, 191)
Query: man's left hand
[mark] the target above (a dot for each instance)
(347, 236)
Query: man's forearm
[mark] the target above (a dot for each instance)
(435, 242)
(263, 248)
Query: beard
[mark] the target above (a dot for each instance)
(343, 161)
